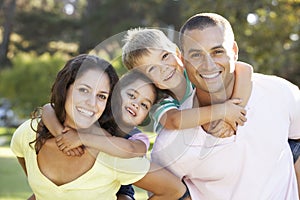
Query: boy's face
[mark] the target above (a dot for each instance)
(137, 100)
(163, 67)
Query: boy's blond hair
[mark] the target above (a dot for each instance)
(138, 41)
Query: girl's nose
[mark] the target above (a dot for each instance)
(135, 105)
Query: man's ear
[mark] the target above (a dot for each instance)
(235, 49)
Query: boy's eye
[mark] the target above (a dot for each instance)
(165, 55)
(151, 68)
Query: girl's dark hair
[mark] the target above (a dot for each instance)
(129, 78)
(73, 69)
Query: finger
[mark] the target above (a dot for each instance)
(243, 118)
(236, 101)
(244, 111)
(58, 138)
(81, 150)
(62, 147)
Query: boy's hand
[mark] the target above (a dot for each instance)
(235, 114)
(220, 129)
(70, 143)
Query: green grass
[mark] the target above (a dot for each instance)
(13, 182)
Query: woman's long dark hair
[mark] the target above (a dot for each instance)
(73, 69)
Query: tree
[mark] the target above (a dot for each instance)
(8, 16)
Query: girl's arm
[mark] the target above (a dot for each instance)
(55, 128)
(115, 146)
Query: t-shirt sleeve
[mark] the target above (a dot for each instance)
(294, 104)
(127, 171)
(19, 139)
(164, 106)
(142, 137)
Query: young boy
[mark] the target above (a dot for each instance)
(157, 57)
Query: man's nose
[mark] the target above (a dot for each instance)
(207, 63)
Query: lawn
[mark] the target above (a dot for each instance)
(13, 184)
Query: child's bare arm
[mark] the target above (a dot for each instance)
(189, 118)
(56, 128)
(115, 146)
(243, 83)
(50, 120)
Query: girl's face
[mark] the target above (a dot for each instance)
(137, 100)
(86, 99)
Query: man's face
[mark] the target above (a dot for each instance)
(209, 59)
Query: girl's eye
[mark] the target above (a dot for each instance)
(131, 96)
(144, 105)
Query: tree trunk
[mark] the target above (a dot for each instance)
(9, 11)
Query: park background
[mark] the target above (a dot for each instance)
(38, 36)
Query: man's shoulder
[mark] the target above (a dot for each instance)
(271, 80)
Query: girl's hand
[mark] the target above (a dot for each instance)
(70, 143)
(234, 114)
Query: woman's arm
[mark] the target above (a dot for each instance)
(22, 163)
(115, 146)
(162, 183)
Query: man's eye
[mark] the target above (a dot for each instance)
(218, 52)
(195, 55)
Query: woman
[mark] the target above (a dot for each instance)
(81, 95)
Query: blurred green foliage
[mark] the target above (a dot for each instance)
(27, 84)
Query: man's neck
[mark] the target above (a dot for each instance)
(206, 98)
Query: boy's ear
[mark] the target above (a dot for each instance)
(179, 55)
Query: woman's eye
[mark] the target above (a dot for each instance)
(84, 90)
(102, 96)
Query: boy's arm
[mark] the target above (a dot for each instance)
(115, 146)
(243, 83)
(189, 118)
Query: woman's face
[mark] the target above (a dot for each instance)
(86, 99)
(137, 100)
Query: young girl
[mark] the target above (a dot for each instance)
(80, 99)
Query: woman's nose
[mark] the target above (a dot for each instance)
(92, 101)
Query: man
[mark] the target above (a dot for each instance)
(257, 162)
